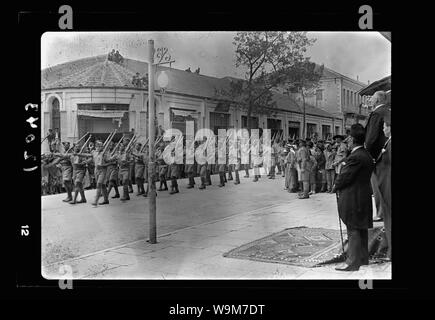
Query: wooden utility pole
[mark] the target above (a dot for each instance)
(151, 136)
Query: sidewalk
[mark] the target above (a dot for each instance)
(197, 252)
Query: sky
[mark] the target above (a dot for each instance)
(366, 55)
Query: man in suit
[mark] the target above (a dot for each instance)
(354, 196)
(383, 174)
(375, 140)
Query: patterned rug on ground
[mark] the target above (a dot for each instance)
(306, 247)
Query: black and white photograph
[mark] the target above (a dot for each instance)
(237, 155)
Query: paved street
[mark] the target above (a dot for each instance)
(195, 227)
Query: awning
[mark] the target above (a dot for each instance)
(383, 84)
(101, 113)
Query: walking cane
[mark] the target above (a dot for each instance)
(341, 230)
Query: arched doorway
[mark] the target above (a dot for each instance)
(55, 115)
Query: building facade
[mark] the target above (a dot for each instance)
(97, 95)
(338, 94)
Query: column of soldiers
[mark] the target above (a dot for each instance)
(308, 167)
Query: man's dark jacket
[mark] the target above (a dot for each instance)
(375, 138)
(354, 190)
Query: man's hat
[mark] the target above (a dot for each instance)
(338, 136)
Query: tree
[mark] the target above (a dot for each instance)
(302, 78)
(265, 57)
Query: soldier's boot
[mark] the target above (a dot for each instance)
(176, 186)
(313, 188)
(145, 194)
(105, 195)
(172, 187)
(109, 188)
(115, 187)
(230, 175)
(246, 173)
(221, 180)
(255, 178)
(165, 183)
(202, 186)
(125, 193)
(130, 187)
(82, 194)
(161, 185)
(68, 191)
(76, 193)
(237, 178)
(97, 197)
(140, 190)
(191, 183)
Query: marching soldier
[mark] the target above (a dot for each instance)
(162, 167)
(100, 160)
(221, 171)
(124, 161)
(190, 171)
(203, 172)
(90, 165)
(79, 170)
(256, 164)
(67, 170)
(174, 174)
(139, 169)
(113, 172)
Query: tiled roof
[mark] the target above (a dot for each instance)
(99, 72)
(288, 103)
(95, 72)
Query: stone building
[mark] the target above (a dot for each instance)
(98, 95)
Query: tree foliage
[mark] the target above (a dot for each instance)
(266, 58)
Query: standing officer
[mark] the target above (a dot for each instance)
(354, 196)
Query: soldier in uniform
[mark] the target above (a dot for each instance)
(202, 171)
(190, 171)
(162, 167)
(79, 169)
(67, 170)
(91, 167)
(256, 164)
(139, 168)
(113, 172)
(303, 159)
(221, 171)
(100, 160)
(237, 166)
(174, 174)
(124, 161)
